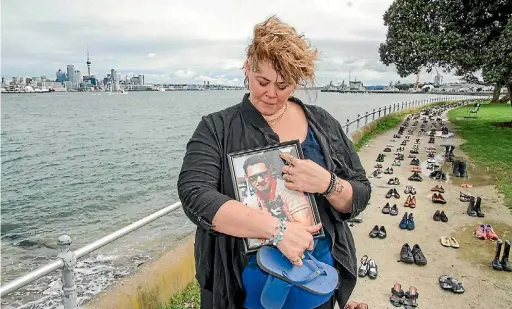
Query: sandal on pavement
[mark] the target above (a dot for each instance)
(362, 306)
(411, 298)
(453, 242)
(457, 286)
(397, 295)
(363, 269)
(445, 282)
(445, 241)
(372, 269)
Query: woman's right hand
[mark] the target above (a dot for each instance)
(297, 238)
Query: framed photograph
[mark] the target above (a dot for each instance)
(258, 183)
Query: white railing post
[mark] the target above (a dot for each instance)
(67, 256)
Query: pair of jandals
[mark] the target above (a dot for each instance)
(354, 305)
(408, 299)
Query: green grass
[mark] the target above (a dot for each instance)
(385, 123)
(188, 299)
(487, 145)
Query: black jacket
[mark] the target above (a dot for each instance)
(205, 184)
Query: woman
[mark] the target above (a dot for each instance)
(278, 61)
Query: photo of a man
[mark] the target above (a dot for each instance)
(258, 180)
(271, 195)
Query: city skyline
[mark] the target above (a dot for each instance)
(175, 42)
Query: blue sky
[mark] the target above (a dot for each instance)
(188, 41)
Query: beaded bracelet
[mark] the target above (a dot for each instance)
(280, 228)
(332, 185)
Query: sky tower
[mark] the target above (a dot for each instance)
(88, 64)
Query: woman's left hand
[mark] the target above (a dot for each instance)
(304, 175)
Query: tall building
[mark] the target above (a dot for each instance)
(70, 73)
(438, 80)
(78, 78)
(88, 62)
(61, 76)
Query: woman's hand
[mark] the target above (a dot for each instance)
(297, 238)
(304, 175)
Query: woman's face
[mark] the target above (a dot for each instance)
(268, 91)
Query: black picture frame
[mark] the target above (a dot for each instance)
(246, 193)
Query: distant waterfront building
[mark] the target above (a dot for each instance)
(77, 79)
(61, 76)
(70, 73)
(438, 80)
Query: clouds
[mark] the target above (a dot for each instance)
(186, 41)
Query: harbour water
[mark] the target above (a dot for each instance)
(86, 164)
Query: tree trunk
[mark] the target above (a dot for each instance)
(509, 88)
(496, 94)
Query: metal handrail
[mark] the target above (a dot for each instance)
(67, 258)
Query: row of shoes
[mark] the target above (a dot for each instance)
(368, 268)
(414, 255)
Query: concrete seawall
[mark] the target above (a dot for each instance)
(155, 283)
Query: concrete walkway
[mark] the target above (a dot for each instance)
(485, 287)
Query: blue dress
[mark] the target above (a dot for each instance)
(254, 278)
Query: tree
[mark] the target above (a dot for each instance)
(465, 35)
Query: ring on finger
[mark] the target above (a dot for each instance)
(292, 159)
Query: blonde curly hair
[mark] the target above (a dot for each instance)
(289, 53)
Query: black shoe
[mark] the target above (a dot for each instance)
(375, 232)
(437, 216)
(455, 168)
(496, 261)
(478, 207)
(505, 258)
(471, 208)
(395, 192)
(406, 254)
(394, 210)
(419, 257)
(386, 209)
(444, 217)
(463, 171)
(382, 232)
(390, 193)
